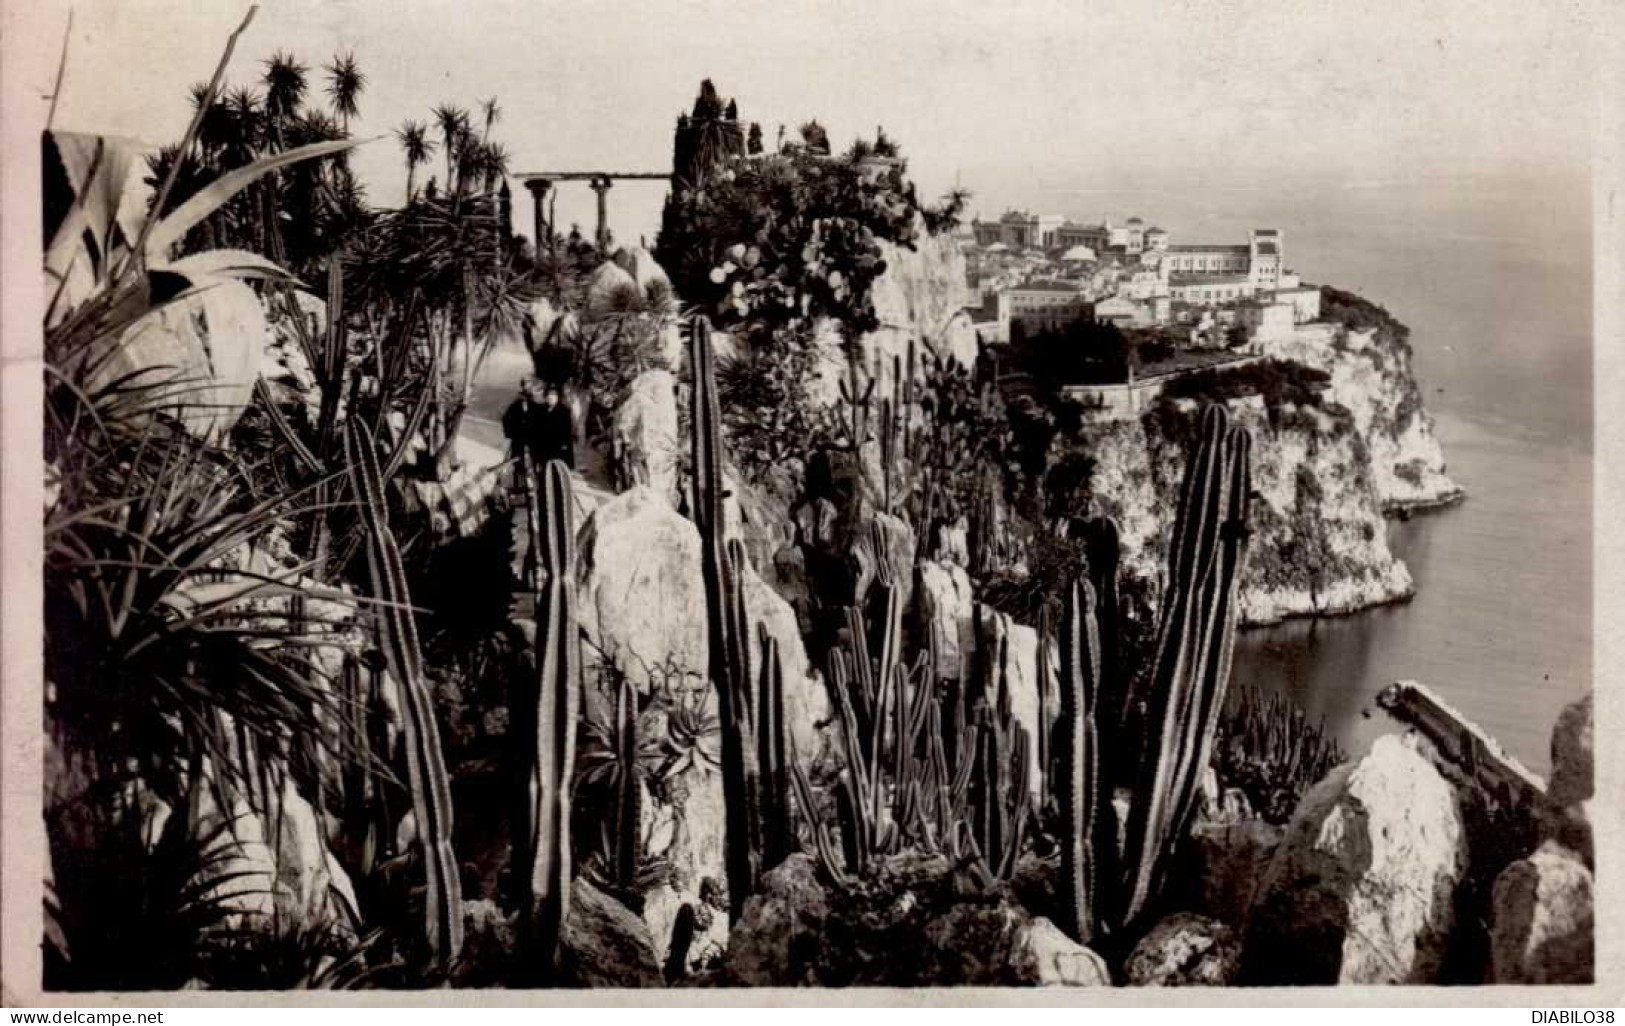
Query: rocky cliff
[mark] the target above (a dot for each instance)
(1327, 470)
(1372, 378)
(921, 297)
(1319, 543)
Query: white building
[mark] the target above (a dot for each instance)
(1265, 320)
(1043, 305)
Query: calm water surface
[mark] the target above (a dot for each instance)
(1494, 281)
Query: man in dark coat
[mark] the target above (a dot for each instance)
(538, 422)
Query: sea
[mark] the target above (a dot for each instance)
(1493, 276)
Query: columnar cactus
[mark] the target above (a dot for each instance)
(1180, 704)
(725, 621)
(772, 741)
(545, 713)
(1078, 786)
(398, 638)
(628, 811)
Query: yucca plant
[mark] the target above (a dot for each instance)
(177, 626)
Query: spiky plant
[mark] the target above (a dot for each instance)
(345, 82)
(416, 146)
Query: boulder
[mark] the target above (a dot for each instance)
(1362, 887)
(904, 927)
(643, 268)
(1185, 950)
(1227, 860)
(1020, 645)
(1001, 945)
(1570, 827)
(1543, 921)
(775, 942)
(645, 446)
(604, 944)
(943, 601)
(640, 594)
(609, 288)
(1572, 766)
(807, 709)
(1043, 956)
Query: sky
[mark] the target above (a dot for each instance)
(1017, 102)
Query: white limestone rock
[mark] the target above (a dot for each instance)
(1362, 888)
(640, 594)
(645, 442)
(1543, 921)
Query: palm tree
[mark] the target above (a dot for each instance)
(453, 124)
(494, 164)
(416, 144)
(344, 85)
(284, 92)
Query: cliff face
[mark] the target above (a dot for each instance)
(1372, 378)
(921, 296)
(1319, 542)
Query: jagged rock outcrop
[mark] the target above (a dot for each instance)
(1320, 543)
(1017, 644)
(1362, 888)
(645, 445)
(1573, 766)
(604, 944)
(640, 593)
(1185, 950)
(607, 287)
(1543, 924)
(943, 602)
(921, 297)
(1372, 377)
(907, 929)
(644, 269)
(1226, 863)
(807, 712)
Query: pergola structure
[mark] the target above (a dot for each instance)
(539, 182)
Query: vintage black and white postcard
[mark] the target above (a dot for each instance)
(678, 497)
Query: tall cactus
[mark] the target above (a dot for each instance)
(628, 811)
(725, 621)
(1078, 791)
(772, 740)
(1180, 702)
(398, 637)
(546, 708)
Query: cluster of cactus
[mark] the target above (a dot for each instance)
(953, 782)
(1272, 751)
(420, 737)
(544, 711)
(1154, 737)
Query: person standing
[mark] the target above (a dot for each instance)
(539, 423)
(555, 431)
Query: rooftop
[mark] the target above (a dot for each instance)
(1267, 248)
(1046, 286)
(1208, 279)
(1201, 248)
